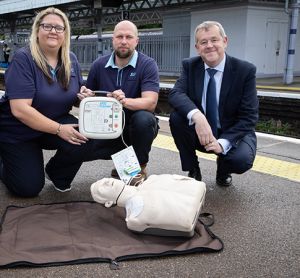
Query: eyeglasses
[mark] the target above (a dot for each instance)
(49, 27)
(212, 41)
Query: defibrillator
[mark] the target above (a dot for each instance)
(100, 117)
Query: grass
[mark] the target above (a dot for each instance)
(278, 127)
(271, 126)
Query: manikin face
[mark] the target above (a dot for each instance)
(51, 40)
(125, 39)
(211, 45)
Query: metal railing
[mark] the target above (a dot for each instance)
(167, 51)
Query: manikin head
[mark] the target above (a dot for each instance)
(106, 191)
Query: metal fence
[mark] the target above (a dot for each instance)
(167, 51)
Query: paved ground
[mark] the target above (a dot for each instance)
(257, 218)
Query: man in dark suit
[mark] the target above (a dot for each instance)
(215, 107)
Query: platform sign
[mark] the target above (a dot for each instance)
(125, 15)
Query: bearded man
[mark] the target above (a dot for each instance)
(132, 78)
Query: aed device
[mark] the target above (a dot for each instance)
(100, 117)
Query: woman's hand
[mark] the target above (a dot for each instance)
(85, 92)
(71, 135)
(23, 111)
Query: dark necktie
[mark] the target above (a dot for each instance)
(211, 102)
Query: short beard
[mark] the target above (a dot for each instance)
(122, 55)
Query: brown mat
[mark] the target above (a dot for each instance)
(82, 232)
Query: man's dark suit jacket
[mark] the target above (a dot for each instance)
(238, 103)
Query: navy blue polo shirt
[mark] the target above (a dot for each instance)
(139, 75)
(24, 80)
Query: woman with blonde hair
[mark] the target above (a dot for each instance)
(42, 84)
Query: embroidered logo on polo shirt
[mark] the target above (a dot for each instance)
(73, 73)
(132, 74)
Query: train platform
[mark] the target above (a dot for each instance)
(263, 83)
(257, 218)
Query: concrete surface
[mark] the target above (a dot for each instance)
(257, 218)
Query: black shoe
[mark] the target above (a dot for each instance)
(114, 174)
(224, 180)
(195, 174)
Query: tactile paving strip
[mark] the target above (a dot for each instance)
(262, 164)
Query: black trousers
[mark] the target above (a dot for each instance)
(23, 163)
(141, 128)
(238, 160)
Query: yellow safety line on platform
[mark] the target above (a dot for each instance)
(262, 164)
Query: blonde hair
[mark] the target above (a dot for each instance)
(64, 72)
(208, 24)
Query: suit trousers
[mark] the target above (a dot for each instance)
(238, 160)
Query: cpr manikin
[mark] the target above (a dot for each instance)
(165, 204)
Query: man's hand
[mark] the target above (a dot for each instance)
(118, 95)
(203, 129)
(205, 134)
(147, 101)
(214, 147)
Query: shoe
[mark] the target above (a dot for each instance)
(60, 188)
(136, 180)
(195, 174)
(224, 180)
(139, 178)
(114, 173)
